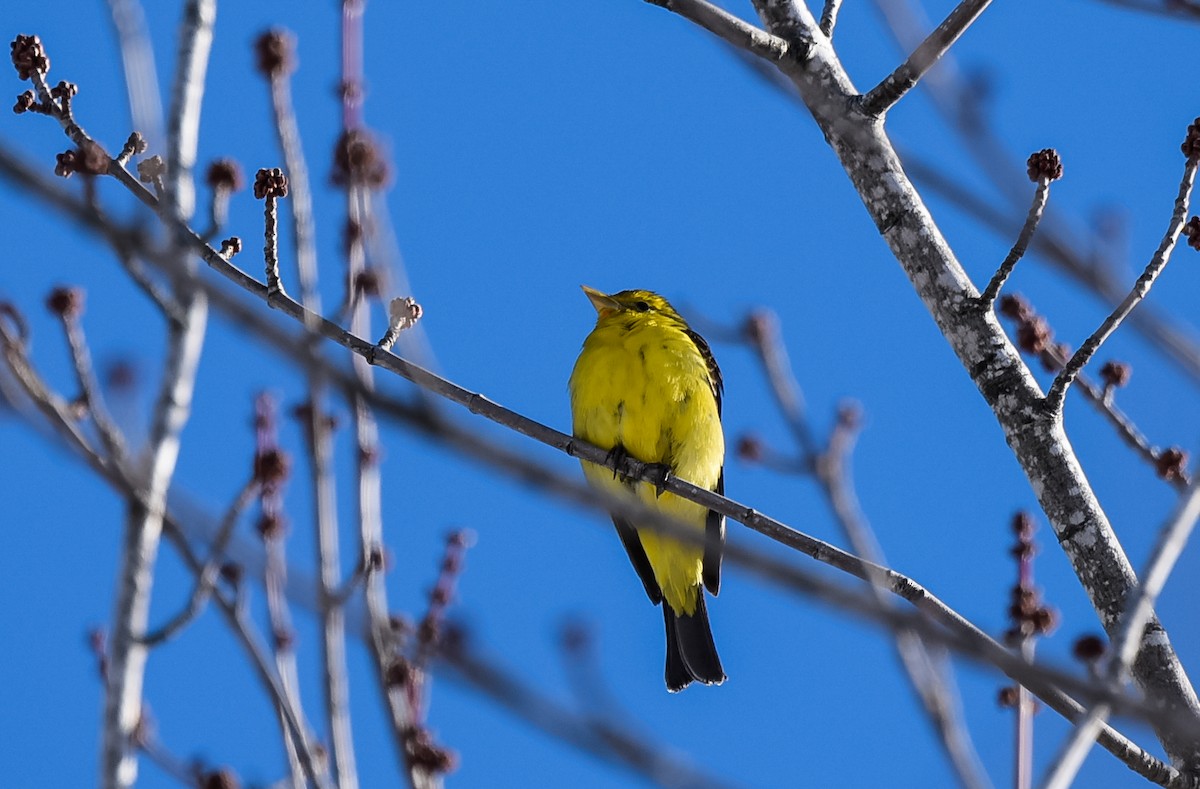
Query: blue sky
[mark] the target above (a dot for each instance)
(541, 145)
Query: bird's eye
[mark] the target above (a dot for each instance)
(641, 306)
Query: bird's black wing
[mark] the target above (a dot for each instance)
(714, 372)
(714, 530)
(714, 543)
(637, 555)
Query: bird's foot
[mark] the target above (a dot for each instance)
(616, 458)
(658, 475)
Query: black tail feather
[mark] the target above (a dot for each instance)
(691, 653)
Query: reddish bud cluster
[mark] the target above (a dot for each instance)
(398, 673)
(575, 637)
(366, 283)
(283, 639)
(232, 573)
(151, 169)
(65, 90)
(219, 779)
(424, 753)
(750, 448)
(275, 52)
(1191, 231)
(224, 175)
(1115, 374)
(352, 235)
(759, 324)
(231, 246)
(1015, 307)
(1028, 615)
(29, 56)
(87, 159)
(1171, 464)
(25, 102)
(271, 526)
(357, 161)
(271, 467)
(135, 143)
(1034, 335)
(1089, 648)
(270, 183)
(1044, 164)
(66, 303)
(1191, 143)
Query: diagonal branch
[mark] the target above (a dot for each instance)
(1171, 540)
(884, 96)
(829, 16)
(728, 27)
(1058, 390)
(123, 696)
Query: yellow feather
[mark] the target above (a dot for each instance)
(642, 383)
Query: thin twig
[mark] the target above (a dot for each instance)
(1040, 196)
(318, 428)
(728, 27)
(137, 62)
(144, 522)
(829, 16)
(270, 186)
(162, 299)
(1171, 540)
(271, 469)
(1054, 356)
(762, 330)
(206, 579)
(187, 95)
(1186, 10)
(58, 416)
(959, 104)
(85, 374)
(1058, 390)
(884, 96)
(830, 469)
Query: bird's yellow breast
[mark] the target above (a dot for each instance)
(642, 383)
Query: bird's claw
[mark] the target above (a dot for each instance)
(616, 458)
(658, 475)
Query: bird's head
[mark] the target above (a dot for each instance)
(631, 302)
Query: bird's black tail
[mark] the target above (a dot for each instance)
(691, 653)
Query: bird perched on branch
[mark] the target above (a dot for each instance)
(647, 386)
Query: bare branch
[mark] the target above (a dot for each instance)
(830, 468)
(728, 27)
(276, 61)
(829, 16)
(1058, 390)
(206, 578)
(1187, 10)
(137, 61)
(1040, 196)
(67, 303)
(884, 96)
(1171, 540)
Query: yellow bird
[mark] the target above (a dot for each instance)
(647, 386)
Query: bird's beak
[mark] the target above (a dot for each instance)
(604, 304)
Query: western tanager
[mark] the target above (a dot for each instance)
(646, 385)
